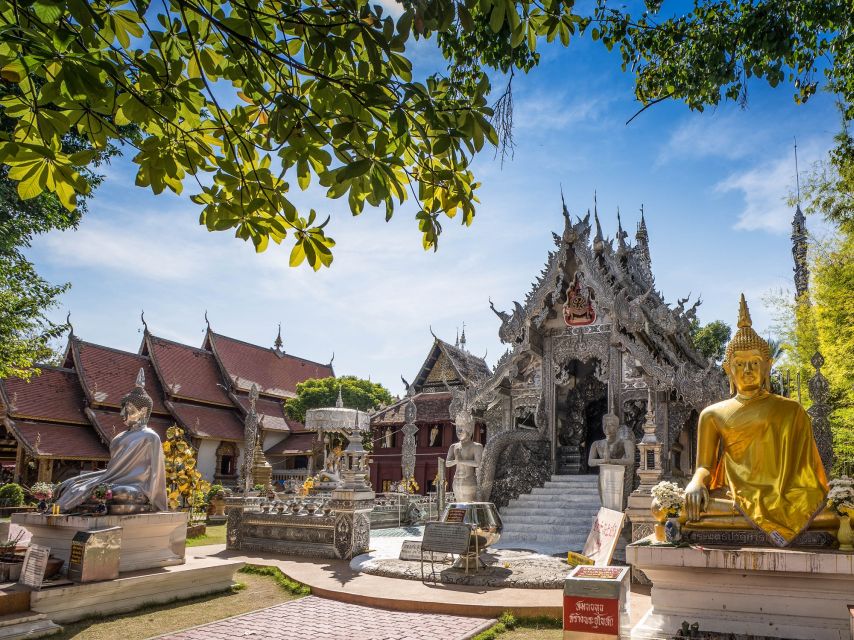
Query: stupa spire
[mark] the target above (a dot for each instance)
(279, 343)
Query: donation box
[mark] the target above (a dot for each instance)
(596, 603)
(95, 555)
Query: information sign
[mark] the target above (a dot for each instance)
(455, 515)
(411, 550)
(446, 537)
(35, 563)
(602, 540)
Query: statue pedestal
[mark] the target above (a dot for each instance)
(149, 540)
(611, 485)
(776, 593)
(352, 511)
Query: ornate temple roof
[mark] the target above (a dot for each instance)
(200, 421)
(275, 372)
(430, 407)
(271, 413)
(449, 364)
(104, 373)
(55, 395)
(617, 277)
(109, 424)
(295, 444)
(54, 440)
(187, 373)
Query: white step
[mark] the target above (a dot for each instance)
(554, 518)
(26, 625)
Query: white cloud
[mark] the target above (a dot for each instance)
(711, 135)
(556, 111)
(765, 188)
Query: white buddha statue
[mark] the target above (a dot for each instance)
(136, 471)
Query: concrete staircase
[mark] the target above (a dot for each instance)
(552, 519)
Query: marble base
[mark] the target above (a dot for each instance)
(72, 602)
(760, 592)
(149, 540)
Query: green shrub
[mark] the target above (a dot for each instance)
(214, 491)
(11, 495)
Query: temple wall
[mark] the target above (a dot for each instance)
(206, 459)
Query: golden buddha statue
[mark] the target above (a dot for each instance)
(757, 462)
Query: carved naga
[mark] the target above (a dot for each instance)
(501, 441)
(512, 330)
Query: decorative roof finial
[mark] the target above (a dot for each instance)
(207, 322)
(457, 340)
(463, 338)
(332, 359)
(278, 344)
(563, 202)
(744, 320)
(339, 403)
(70, 326)
(435, 337)
(142, 318)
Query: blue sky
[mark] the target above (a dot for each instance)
(713, 186)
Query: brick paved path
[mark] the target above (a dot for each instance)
(313, 618)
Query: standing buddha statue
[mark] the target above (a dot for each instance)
(758, 466)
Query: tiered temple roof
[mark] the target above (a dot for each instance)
(73, 412)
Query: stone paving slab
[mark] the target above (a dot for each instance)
(313, 618)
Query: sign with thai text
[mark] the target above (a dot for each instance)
(35, 563)
(411, 550)
(455, 515)
(446, 537)
(583, 614)
(598, 573)
(603, 536)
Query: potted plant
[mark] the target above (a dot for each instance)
(216, 500)
(43, 492)
(102, 494)
(668, 498)
(840, 499)
(10, 562)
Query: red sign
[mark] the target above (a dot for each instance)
(591, 615)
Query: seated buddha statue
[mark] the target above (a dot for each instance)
(136, 470)
(758, 465)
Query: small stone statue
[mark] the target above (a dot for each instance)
(466, 456)
(618, 447)
(136, 470)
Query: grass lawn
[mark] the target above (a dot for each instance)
(258, 592)
(510, 628)
(213, 535)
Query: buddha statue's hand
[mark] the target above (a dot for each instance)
(696, 500)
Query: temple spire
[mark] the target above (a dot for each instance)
(462, 344)
(799, 240)
(279, 343)
(599, 239)
(641, 250)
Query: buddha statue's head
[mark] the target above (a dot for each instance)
(747, 362)
(610, 425)
(465, 425)
(137, 405)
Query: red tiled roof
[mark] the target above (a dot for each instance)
(272, 414)
(276, 374)
(294, 444)
(55, 394)
(108, 374)
(208, 422)
(187, 372)
(109, 424)
(61, 440)
(430, 407)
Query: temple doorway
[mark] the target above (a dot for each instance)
(580, 402)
